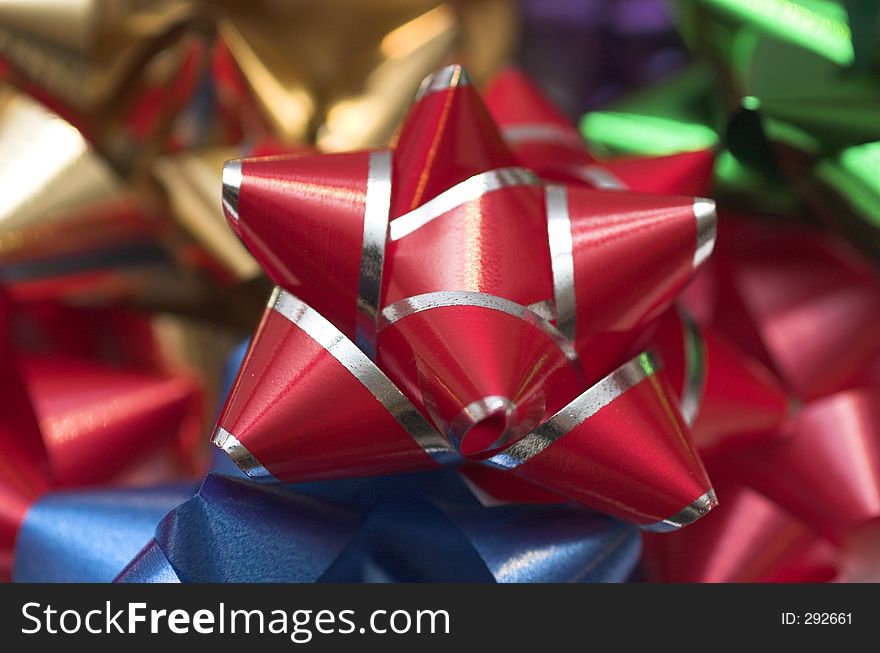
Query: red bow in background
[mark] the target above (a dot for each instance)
(802, 455)
(73, 419)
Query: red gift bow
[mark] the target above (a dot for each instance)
(484, 332)
(810, 309)
(22, 463)
(803, 482)
(748, 539)
(69, 420)
(544, 140)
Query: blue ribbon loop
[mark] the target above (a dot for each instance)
(89, 536)
(405, 528)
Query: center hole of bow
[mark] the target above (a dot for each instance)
(483, 425)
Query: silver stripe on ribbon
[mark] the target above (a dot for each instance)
(364, 370)
(433, 300)
(694, 368)
(599, 177)
(542, 132)
(376, 211)
(468, 190)
(231, 187)
(561, 258)
(687, 515)
(577, 412)
(243, 458)
(441, 80)
(704, 214)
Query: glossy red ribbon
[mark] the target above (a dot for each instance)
(448, 302)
